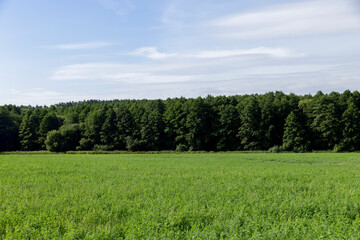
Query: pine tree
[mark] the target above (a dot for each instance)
(8, 131)
(152, 126)
(28, 132)
(109, 131)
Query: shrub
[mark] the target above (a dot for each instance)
(64, 139)
(181, 148)
(53, 141)
(274, 149)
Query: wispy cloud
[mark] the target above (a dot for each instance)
(216, 77)
(275, 52)
(151, 52)
(126, 73)
(120, 7)
(289, 20)
(31, 96)
(201, 70)
(41, 96)
(79, 46)
(36, 92)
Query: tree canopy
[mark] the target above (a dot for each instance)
(222, 123)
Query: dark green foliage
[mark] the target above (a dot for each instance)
(250, 132)
(351, 129)
(181, 148)
(175, 119)
(275, 149)
(249, 122)
(49, 122)
(109, 131)
(229, 123)
(324, 114)
(54, 141)
(93, 125)
(296, 137)
(125, 126)
(30, 138)
(67, 138)
(132, 144)
(152, 126)
(8, 131)
(198, 125)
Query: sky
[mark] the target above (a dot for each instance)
(73, 50)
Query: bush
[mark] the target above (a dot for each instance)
(101, 147)
(85, 144)
(274, 149)
(181, 148)
(65, 139)
(53, 141)
(132, 144)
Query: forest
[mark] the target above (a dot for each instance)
(274, 121)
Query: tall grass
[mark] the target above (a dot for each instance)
(180, 196)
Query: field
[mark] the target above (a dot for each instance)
(180, 196)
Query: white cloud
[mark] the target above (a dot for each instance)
(171, 13)
(40, 96)
(275, 52)
(36, 93)
(192, 70)
(297, 19)
(191, 77)
(77, 46)
(125, 73)
(33, 96)
(151, 52)
(120, 7)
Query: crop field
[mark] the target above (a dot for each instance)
(180, 196)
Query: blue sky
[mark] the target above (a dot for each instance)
(70, 50)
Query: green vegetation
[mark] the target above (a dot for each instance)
(249, 122)
(180, 196)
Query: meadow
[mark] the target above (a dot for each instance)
(180, 196)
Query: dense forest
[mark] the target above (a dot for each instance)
(224, 123)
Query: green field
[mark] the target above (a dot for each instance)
(180, 196)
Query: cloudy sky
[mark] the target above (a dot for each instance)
(57, 51)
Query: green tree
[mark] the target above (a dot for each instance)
(28, 132)
(109, 131)
(296, 136)
(250, 132)
(125, 126)
(268, 120)
(54, 141)
(8, 131)
(198, 125)
(67, 138)
(49, 122)
(71, 135)
(323, 113)
(351, 129)
(152, 126)
(229, 123)
(175, 123)
(93, 125)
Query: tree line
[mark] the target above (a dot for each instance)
(224, 123)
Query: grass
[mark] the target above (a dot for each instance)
(180, 196)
